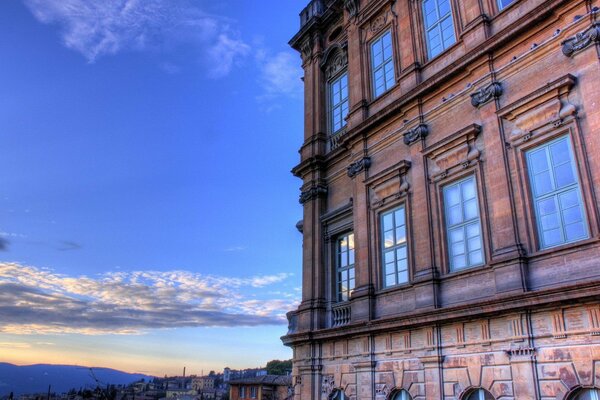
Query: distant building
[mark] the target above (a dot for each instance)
(203, 382)
(264, 387)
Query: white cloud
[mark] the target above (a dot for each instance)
(280, 76)
(40, 301)
(101, 28)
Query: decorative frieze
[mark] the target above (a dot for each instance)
(419, 132)
(581, 40)
(486, 94)
(358, 166)
(312, 193)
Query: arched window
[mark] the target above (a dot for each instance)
(402, 395)
(586, 394)
(479, 394)
(337, 394)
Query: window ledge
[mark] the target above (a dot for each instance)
(563, 249)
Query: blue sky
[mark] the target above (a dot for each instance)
(147, 211)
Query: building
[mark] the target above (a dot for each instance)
(451, 176)
(261, 387)
(200, 383)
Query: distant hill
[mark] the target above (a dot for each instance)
(36, 378)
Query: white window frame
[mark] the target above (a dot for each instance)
(437, 25)
(345, 273)
(389, 76)
(556, 193)
(501, 6)
(396, 253)
(469, 245)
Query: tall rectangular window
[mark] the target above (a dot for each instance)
(338, 103)
(242, 392)
(395, 252)
(503, 3)
(345, 266)
(439, 26)
(253, 392)
(556, 194)
(382, 64)
(463, 225)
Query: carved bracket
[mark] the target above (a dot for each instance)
(486, 94)
(548, 105)
(390, 183)
(358, 166)
(419, 132)
(581, 40)
(454, 153)
(315, 191)
(306, 49)
(352, 7)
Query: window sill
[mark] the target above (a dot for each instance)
(390, 289)
(563, 249)
(465, 272)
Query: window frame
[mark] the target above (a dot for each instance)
(330, 106)
(407, 245)
(574, 395)
(500, 7)
(348, 267)
(481, 392)
(463, 224)
(401, 394)
(387, 30)
(555, 194)
(453, 17)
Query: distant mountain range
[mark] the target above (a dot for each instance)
(36, 378)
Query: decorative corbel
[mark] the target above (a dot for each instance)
(486, 94)
(352, 7)
(581, 40)
(358, 166)
(413, 135)
(315, 191)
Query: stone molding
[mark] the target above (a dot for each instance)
(581, 40)
(419, 132)
(358, 166)
(486, 94)
(335, 60)
(315, 191)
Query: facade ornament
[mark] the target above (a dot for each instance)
(420, 132)
(379, 22)
(358, 166)
(327, 386)
(581, 40)
(336, 62)
(488, 93)
(523, 352)
(306, 48)
(312, 193)
(351, 6)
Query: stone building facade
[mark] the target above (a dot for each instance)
(451, 175)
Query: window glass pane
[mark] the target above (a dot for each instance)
(456, 235)
(470, 208)
(475, 257)
(503, 3)
(394, 245)
(439, 25)
(459, 262)
(472, 230)
(559, 212)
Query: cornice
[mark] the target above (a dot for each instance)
(314, 163)
(561, 295)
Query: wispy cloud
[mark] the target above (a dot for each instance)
(100, 28)
(40, 301)
(280, 77)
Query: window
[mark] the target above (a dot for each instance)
(402, 395)
(586, 394)
(242, 392)
(253, 392)
(479, 394)
(503, 3)
(463, 226)
(556, 194)
(382, 64)
(338, 103)
(395, 257)
(439, 27)
(345, 266)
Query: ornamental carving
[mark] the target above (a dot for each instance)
(306, 48)
(581, 40)
(337, 64)
(327, 386)
(453, 153)
(351, 6)
(358, 166)
(523, 353)
(379, 22)
(482, 96)
(420, 132)
(312, 193)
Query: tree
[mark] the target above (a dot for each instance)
(279, 367)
